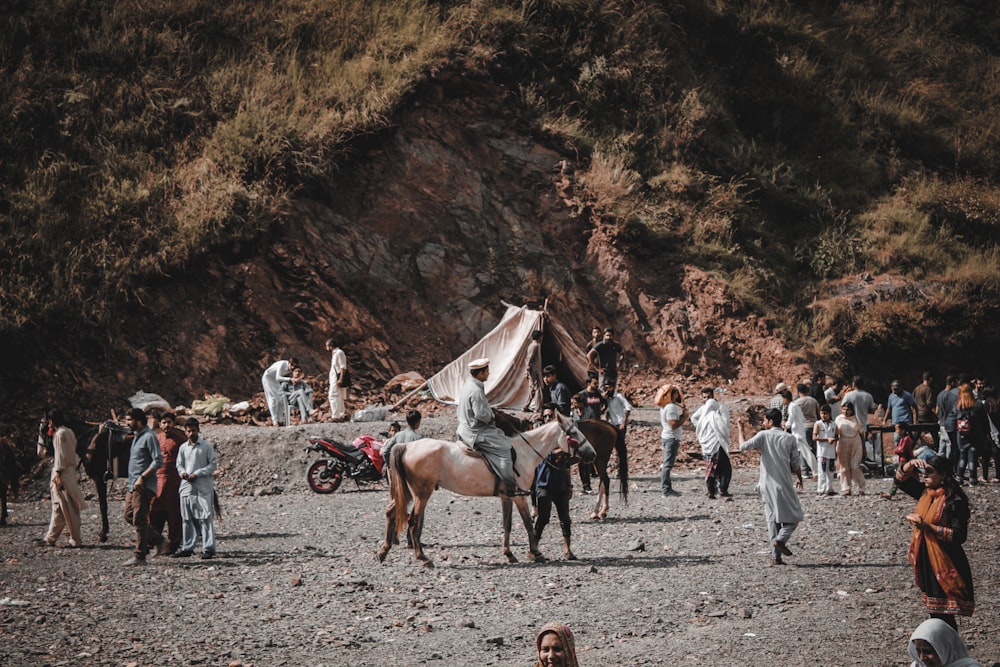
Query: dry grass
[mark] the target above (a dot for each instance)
(777, 144)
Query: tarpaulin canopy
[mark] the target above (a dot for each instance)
(507, 348)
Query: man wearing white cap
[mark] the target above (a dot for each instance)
(477, 426)
(778, 403)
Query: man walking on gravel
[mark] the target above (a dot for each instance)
(779, 459)
(143, 462)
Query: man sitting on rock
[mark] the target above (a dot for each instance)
(477, 427)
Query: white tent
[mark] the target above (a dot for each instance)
(507, 348)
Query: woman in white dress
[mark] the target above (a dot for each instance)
(850, 446)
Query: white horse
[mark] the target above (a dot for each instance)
(418, 468)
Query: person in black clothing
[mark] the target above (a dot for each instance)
(592, 401)
(555, 391)
(592, 404)
(605, 356)
(817, 389)
(553, 487)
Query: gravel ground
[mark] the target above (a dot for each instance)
(296, 582)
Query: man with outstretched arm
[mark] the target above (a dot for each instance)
(779, 460)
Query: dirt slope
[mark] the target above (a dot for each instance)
(405, 263)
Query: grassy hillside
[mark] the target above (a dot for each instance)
(786, 146)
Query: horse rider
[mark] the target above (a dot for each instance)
(477, 427)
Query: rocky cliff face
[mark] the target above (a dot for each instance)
(405, 262)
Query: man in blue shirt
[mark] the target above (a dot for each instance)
(946, 414)
(143, 461)
(901, 408)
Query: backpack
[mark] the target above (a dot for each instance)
(964, 421)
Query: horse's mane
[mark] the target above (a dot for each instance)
(510, 424)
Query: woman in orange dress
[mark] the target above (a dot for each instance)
(940, 527)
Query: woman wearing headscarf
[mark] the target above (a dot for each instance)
(555, 647)
(940, 526)
(936, 644)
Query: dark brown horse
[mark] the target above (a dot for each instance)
(604, 437)
(10, 474)
(103, 450)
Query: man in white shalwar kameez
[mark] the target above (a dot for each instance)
(797, 426)
(337, 394)
(477, 427)
(64, 484)
(276, 373)
(779, 459)
(195, 464)
(711, 426)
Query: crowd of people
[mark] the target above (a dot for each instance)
(286, 389)
(829, 429)
(170, 486)
(832, 430)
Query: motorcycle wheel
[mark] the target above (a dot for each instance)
(323, 477)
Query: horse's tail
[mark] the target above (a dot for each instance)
(216, 504)
(10, 469)
(399, 489)
(622, 467)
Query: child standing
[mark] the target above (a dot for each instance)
(825, 437)
(903, 453)
(904, 444)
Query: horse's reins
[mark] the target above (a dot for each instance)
(567, 431)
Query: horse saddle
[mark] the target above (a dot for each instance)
(476, 454)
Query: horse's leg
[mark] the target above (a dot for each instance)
(102, 499)
(605, 494)
(3, 501)
(533, 552)
(417, 527)
(505, 507)
(390, 532)
(602, 491)
(597, 502)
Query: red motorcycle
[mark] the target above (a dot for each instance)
(360, 461)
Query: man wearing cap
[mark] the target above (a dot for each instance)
(195, 464)
(778, 402)
(477, 426)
